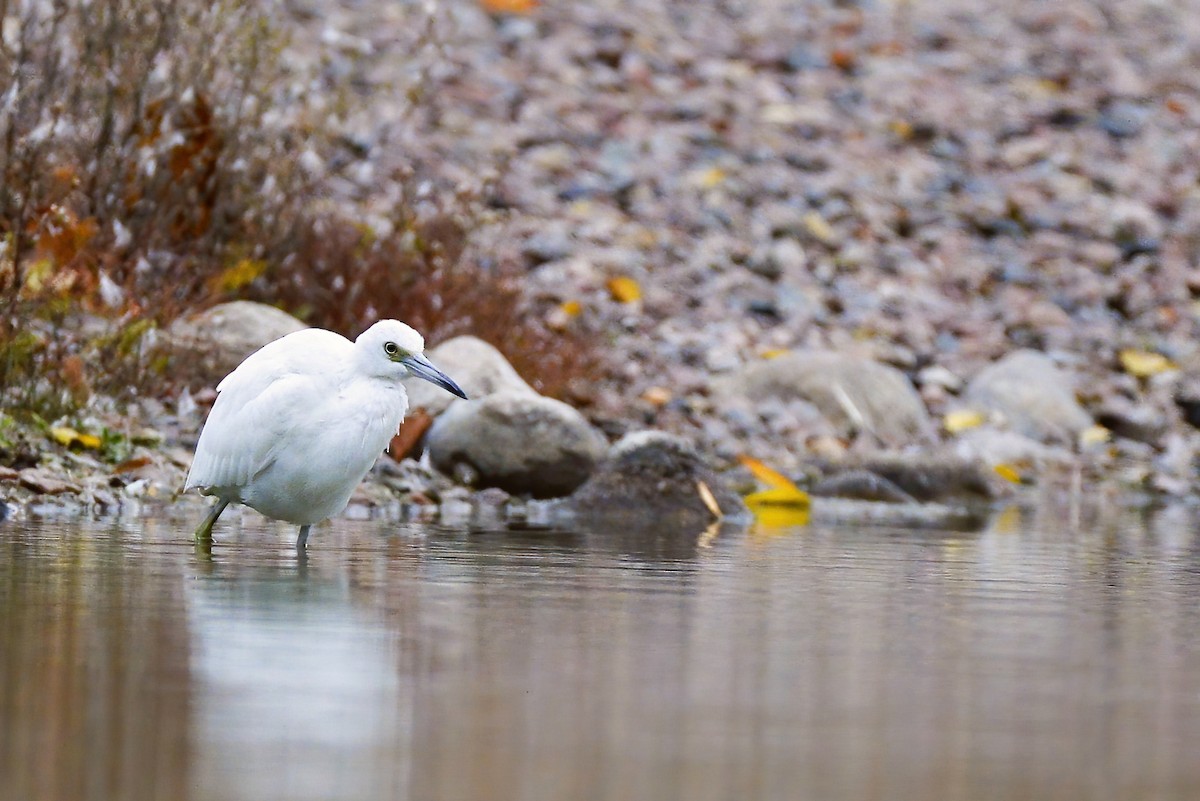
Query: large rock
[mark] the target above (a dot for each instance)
(1031, 396)
(653, 478)
(853, 393)
(518, 441)
(479, 369)
(209, 345)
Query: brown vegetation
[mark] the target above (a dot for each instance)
(150, 163)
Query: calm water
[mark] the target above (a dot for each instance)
(1032, 660)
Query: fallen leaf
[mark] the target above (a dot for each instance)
(709, 500)
(129, 465)
(775, 353)
(963, 420)
(786, 497)
(1008, 473)
(1094, 435)
(902, 129)
(1143, 363)
(843, 59)
(70, 438)
(710, 177)
(509, 6)
(779, 508)
(416, 423)
(657, 396)
(766, 475)
(64, 436)
(624, 289)
(820, 228)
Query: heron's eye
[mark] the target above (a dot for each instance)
(390, 348)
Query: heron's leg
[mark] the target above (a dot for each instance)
(302, 538)
(204, 531)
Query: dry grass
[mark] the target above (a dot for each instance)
(150, 156)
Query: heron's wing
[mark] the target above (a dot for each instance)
(259, 402)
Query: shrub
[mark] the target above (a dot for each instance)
(150, 156)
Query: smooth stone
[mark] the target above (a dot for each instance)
(1032, 395)
(861, 484)
(521, 442)
(45, 482)
(855, 394)
(479, 368)
(217, 340)
(654, 477)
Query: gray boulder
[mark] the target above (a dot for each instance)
(518, 441)
(212, 343)
(476, 366)
(652, 478)
(1031, 395)
(853, 393)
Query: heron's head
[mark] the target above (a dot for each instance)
(396, 350)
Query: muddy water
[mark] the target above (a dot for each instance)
(1033, 659)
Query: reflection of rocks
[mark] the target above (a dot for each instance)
(519, 441)
(1032, 395)
(209, 345)
(924, 477)
(653, 477)
(476, 366)
(855, 394)
(930, 490)
(854, 512)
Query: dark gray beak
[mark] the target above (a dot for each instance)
(421, 367)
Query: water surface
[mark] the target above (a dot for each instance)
(1034, 659)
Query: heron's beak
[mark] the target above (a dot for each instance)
(421, 367)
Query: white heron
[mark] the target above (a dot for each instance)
(297, 425)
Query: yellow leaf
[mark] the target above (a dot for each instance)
(37, 274)
(782, 497)
(962, 420)
(766, 475)
(709, 499)
(624, 289)
(779, 507)
(70, 438)
(901, 128)
(64, 436)
(1008, 473)
(1143, 364)
(775, 353)
(819, 228)
(1094, 435)
(241, 274)
(709, 178)
(89, 441)
(572, 308)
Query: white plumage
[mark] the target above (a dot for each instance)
(298, 424)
